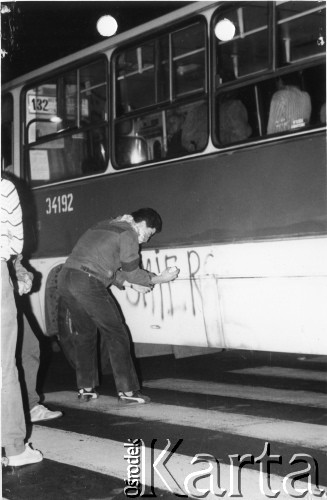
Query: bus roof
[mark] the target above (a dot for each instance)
(111, 43)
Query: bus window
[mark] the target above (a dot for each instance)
(248, 51)
(188, 47)
(136, 71)
(92, 81)
(66, 125)
(161, 135)
(168, 72)
(300, 31)
(260, 105)
(194, 127)
(284, 104)
(42, 111)
(6, 132)
(68, 157)
(175, 124)
(297, 101)
(233, 118)
(290, 107)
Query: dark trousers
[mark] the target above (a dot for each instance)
(92, 308)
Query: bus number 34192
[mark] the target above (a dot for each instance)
(59, 204)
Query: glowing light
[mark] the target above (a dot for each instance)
(321, 41)
(107, 26)
(225, 30)
(55, 119)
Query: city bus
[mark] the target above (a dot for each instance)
(215, 116)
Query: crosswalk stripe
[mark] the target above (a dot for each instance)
(107, 457)
(283, 372)
(269, 429)
(301, 398)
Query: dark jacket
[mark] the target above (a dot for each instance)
(109, 251)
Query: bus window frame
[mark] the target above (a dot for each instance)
(253, 79)
(58, 73)
(10, 124)
(279, 23)
(167, 105)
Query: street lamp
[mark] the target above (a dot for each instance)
(107, 25)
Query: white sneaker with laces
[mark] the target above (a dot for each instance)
(40, 412)
(29, 456)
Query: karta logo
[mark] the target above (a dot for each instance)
(150, 469)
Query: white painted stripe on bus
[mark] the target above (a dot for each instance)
(107, 457)
(283, 396)
(268, 429)
(283, 372)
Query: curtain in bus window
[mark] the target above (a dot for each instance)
(301, 30)
(247, 52)
(188, 49)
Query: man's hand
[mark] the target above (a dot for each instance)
(24, 278)
(24, 286)
(169, 274)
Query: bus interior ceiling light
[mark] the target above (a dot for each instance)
(107, 25)
(225, 30)
(55, 119)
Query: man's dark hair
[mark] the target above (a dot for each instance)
(150, 216)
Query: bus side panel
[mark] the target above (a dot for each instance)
(220, 212)
(268, 295)
(277, 190)
(262, 295)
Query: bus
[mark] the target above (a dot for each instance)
(215, 116)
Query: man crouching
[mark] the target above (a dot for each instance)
(108, 254)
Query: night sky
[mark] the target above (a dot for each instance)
(37, 33)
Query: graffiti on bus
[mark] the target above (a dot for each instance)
(192, 264)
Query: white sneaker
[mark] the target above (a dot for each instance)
(136, 398)
(86, 395)
(40, 412)
(29, 456)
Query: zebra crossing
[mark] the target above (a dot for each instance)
(295, 433)
(201, 438)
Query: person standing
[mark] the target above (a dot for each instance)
(29, 353)
(13, 428)
(108, 254)
(290, 107)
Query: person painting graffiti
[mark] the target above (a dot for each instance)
(108, 254)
